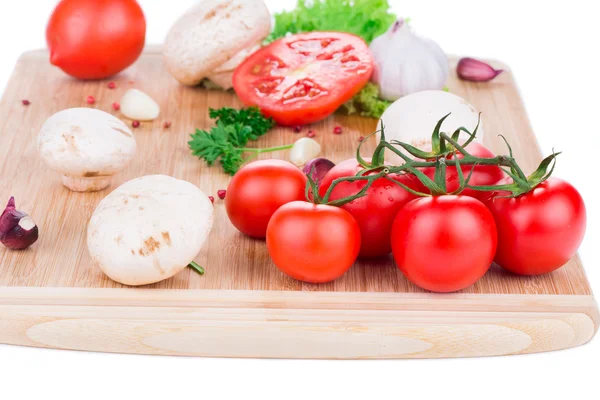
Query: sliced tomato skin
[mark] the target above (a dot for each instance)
(295, 82)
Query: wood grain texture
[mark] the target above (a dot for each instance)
(51, 295)
(232, 261)
(274, 324)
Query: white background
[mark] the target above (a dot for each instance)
(552, 47)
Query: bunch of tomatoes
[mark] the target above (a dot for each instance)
(442, 240)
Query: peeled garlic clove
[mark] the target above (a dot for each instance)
(137, 105)
(304, 150)
(470, 69)
(17, 229)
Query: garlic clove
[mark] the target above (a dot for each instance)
(318, 168)
(470, 69)
(17, 229)
(304, 150)
(137, 105)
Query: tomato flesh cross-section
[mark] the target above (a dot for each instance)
(304, 78)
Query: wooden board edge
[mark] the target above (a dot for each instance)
(294, 324)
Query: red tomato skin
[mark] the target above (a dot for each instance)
(95, 39)
(258, 189)
(445, 243)
(374, 212)
(483, 175)
(538, 232)
(313, 243)
(337, 84)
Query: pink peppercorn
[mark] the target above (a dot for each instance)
(112, 85)
(167, 124)
(211, 198)
(90, 100)
(135, 124)
(116, 106)
(25, 102)
(297, 129)
(361, 138)
(221, 193)
(337, 130)
(311, 134)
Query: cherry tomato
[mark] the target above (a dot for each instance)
(313, 243)
(539, 231)
(444, 243)
(375, 211)
(95, 39)
(304, 78)
(483, 175)
(258, 189)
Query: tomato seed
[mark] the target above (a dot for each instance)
(90, 100)
(112, 85)
(211, 198)
(135, 124)
(337, 130)
(116, 106)
(221, 193)
(25, 102)
(311, 134)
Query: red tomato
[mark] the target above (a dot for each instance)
(374, 212)
(258, 189)
(95, 39)
(304, 78)
(313, 243)
(539, 231)
(444, 243)
(483, 175)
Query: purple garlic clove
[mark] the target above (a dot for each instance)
(470, 69)
(317, 169)
(17, 229)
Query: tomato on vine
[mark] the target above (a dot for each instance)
(444, 243)
(375, 211)
(538, 231)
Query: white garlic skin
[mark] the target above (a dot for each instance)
(406, 63)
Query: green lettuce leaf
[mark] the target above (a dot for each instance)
(366, 103)
(365, 18)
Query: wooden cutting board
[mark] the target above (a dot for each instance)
(51, 295)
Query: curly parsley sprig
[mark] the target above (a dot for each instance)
(226, 141)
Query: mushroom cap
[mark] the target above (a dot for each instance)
(417, 115)
(149, 229)
(223, 74)
(212, 32)
(86, 142)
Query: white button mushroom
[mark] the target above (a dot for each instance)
(210, 34)
(412, 119)
(149, 229)
(87, 146)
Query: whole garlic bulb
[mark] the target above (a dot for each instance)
(407, 63)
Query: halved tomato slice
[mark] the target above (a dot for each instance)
(304, 78)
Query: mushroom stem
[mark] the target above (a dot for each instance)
(193, 265)
(86, 184)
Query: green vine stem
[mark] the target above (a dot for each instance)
(445, 149)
